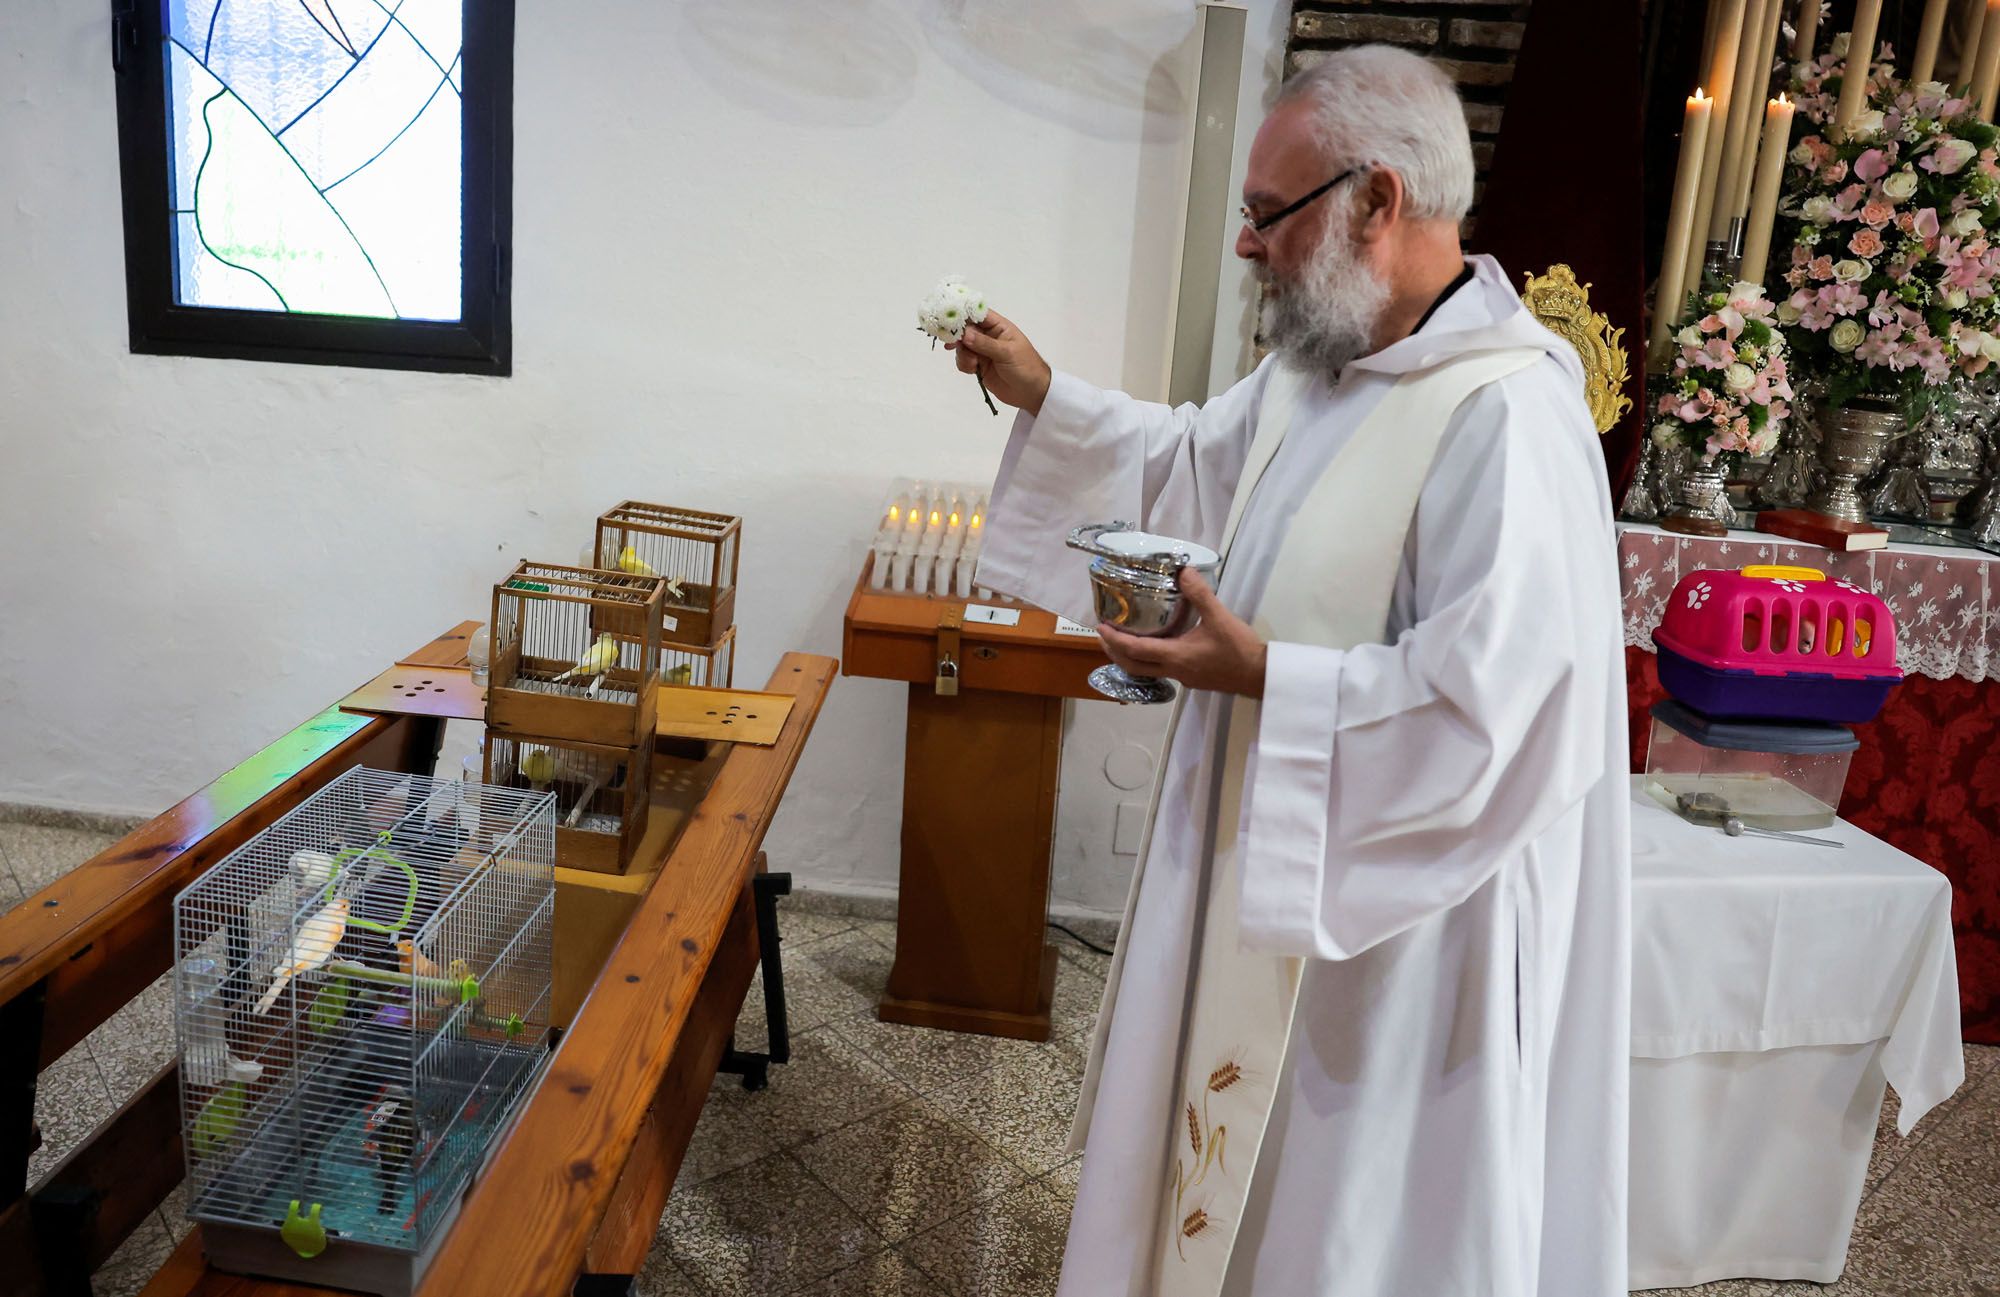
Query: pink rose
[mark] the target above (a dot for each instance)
(1876, 213)
(1865, 243)
(1821, 267)
(1872, 165)
(1925, 224)
(1836, 171)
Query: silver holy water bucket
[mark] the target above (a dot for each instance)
(1853, 441)
(1135, 587)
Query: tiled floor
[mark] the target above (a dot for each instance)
(886, 1161)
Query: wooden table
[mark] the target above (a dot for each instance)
(576, 1186)
(980, 771)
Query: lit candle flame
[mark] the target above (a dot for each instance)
(954, 519)
(895, 513)
(935, 517)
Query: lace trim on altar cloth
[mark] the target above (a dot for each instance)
(1944, 600)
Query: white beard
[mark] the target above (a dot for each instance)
(1327, 316)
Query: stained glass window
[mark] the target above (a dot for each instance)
(318, 158)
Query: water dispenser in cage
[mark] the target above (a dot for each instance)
(363, 994)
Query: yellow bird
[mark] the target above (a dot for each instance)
(598, 659)
(312, 947)
(538, 766)
(422, 965)
(680, 675)
(630, 562)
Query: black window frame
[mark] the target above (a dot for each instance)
(480, 342)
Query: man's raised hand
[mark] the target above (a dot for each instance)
(1001, 354)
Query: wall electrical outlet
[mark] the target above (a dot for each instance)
(1128, 828)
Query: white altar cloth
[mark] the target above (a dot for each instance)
(1775, 987)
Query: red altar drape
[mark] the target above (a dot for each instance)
(1927, 779)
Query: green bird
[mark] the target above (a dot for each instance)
(215, 1125)
(329, 1007)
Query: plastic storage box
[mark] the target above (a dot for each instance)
(1768, 776)
(1777, 643)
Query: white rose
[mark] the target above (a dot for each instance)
(1900, 185)
(1787, 313)
(1989, 347)
(1850, 271)
(1839, 48)
(1689, 336)
(1969, 341)
(1802, 155)
(1819, 209)
(1965, 223)
(1865, 124)
(1956, 299)
(1739, 378)
(1665, 434)
(1847, 336)
(1933, 90)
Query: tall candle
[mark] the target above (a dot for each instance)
(1739, 136)
(1968, 54)
(1746, 164)
(1764, 196)
(1860, 57)
(1721, 74)
(1923, 65)
(1802, 45)
(1986, 66)
(1680, 217)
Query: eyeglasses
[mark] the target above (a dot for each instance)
(1262, 223)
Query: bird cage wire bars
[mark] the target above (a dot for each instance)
(603, 794)
(575, 653)
(363, 992)
(700, 664)
(696, 551)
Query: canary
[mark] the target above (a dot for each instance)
(680, 675)
(598, 659)
(311, 947)
(538, 766)
(630, 562)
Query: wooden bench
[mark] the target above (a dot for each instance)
(578, 1184)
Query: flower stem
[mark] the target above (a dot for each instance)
(981, 380)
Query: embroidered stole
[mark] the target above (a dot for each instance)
(1331, 585)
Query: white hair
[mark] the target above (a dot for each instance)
(1387, 107)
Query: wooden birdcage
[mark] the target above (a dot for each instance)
(699, 664)
(576, 655)
(695, 551)
(602, 794)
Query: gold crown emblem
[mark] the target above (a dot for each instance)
(1563, 307)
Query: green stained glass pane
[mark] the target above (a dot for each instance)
(316, 150)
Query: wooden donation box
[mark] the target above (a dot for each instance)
(982, 754)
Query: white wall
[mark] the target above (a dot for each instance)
(725, 211)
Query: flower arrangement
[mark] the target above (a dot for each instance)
(1728, 393)
(1890, 289)
(945, 312)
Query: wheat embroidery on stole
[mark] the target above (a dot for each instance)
(1208, 1140)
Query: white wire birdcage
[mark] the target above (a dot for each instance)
(363, 994)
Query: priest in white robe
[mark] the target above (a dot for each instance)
(1366, 1029)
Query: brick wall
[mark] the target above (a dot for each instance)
(1473, 40)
